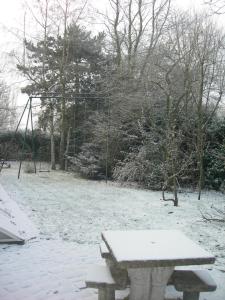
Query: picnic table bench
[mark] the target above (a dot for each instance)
(190, 282)
(100, 277)
(146, 280)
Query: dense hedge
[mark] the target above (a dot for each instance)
(214, 155)
(13, 147)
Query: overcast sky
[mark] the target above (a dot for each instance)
(11, 14)
(11, 24)
(11, 17)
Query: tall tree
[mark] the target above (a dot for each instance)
(80, 75)
(217, 6)
(7, 109)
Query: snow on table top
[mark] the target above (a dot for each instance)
(144, 248)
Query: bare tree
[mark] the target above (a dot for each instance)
(217, 6)
(53, 18)
(68, 12)
(208, 88)
(135, 28)
(41, 13)
(188, 67)
(7, 108)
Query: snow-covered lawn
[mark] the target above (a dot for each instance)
(70, 214)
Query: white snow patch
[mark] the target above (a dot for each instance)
(71, 213)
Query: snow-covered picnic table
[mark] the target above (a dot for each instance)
(150, 257)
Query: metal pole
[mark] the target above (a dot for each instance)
(22, 116)
(32, 132)
(25, 134)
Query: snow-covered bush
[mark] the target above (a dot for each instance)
(214, 156)
(137, 167)
(88, 163)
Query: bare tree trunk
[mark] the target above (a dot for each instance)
(63, 88)
(107, 144)
(62, 136)
(53, 166)
(175, 191)
(200, 132)
(175, 198)
(67, 148)
(116, 4)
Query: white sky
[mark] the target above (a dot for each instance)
(11, 18)
(11, 14)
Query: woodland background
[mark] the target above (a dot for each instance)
(140, 101)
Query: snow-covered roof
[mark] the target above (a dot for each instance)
(15, 227)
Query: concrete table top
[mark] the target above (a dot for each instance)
(154, 248)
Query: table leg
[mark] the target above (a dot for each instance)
(106, 294)
(159, 279)
(139, 284)
(149, 284)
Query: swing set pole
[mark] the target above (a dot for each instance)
(32, 132)
(21, 117)
(25, 134)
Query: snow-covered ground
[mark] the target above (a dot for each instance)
(70, 213)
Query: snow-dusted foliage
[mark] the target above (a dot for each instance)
(137, 167)
(88, 162)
